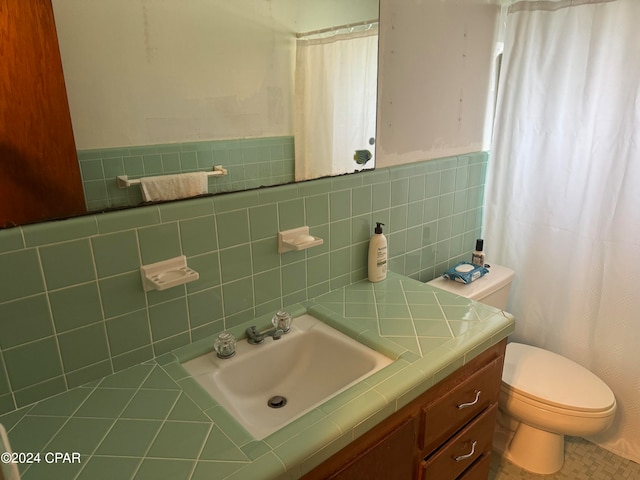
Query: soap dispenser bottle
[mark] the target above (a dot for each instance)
(377, 255)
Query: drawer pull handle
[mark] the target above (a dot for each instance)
(468, 455)
(470, 404)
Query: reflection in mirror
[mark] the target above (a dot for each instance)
(166, 87)
(335, 101)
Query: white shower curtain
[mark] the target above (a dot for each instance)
(335, 104)
(563, 193)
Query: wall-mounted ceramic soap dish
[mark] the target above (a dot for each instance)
(167, 274)
(297, 239)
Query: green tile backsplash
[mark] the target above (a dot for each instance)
(72, 308)
(250, 163)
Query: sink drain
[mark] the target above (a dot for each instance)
(277, 401)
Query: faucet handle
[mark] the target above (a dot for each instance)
(282, 321)
(225, 345)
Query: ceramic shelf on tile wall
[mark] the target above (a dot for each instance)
(166, 274)
(297, 239)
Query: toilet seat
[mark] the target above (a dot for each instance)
(555, 383)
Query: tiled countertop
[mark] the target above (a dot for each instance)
(153, 421)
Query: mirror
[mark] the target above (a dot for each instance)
(161, 86)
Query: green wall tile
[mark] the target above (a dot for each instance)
(168, 319)
(32, 363)
(11, 239)
(265, 254)
(208, 268)
(415, 213)
(416, 188)
(317, 209)
(205, 307)
(340, 205)
(70, 229)
(361, 200)
(398, 219)
(263, 221)
(447, 181)
(431, 208)
(238, 296)
(233, 228)
(340, 234)
(361, 228)
(116, 253)
(381, 196)
(75, 306)
(294, 277)
(198, 235)
(318, 269)
(291, 214)
(27, 277)
(340, 262)
(134, 357)
(128, 219)
(122, 294)
(39, 391)
(6, 404)
(235, 262)
(25, 320)
(267, 286)
(237, 201)
(159, 242)
(83, 346)
(67, 263)
(399, 192)
(4, 383)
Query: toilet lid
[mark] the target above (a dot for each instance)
(554, 380)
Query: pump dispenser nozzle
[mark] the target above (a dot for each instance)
(378, 228)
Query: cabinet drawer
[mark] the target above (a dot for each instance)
(460, 453)
(446, 415)
(479, 470)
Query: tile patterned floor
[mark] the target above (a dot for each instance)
(583, 461)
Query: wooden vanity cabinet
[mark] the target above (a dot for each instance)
(444, 434)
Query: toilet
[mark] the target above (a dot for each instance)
(543, 396)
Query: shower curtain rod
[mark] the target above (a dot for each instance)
(336, 28)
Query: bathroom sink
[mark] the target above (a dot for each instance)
(268, 385)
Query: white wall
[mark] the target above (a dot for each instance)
(436, 78)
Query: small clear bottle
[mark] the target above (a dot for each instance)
(477, 257)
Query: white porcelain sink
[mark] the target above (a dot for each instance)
(307, 366)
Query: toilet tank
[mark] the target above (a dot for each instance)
(492, 289)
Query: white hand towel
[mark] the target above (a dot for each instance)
(172, 187)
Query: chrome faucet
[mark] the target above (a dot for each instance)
(281, 324)
(254, 337)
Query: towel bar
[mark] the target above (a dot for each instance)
(124, 182)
